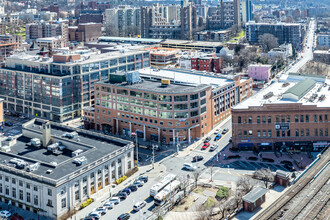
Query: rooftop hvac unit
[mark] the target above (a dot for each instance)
(77, 152)
(5, 149)
(35, 142)
(79, 161)
(133, 77)
(33, 167)
(53, 163)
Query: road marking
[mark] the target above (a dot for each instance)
(223, 172)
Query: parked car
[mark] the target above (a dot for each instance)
(217, 137)
(138, 183)
(127, 190)
(197, 158)
(108, 205)
(225, 131)
(207, 140)
(213, 147)
(89, 218)
(5, 214)
(102, 209)
(139, 205)
(217, 131)
(206, 145)
(9, 124)
(124, 216)
(156, 148)
(115, 200)
(133, 187)
(122, 195)
(16, 217)
(189, 166)
(143, 178)
(96, 215)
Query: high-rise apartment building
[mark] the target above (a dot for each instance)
(157, 22)
(246, 11)
(225, 16)
(284, 32)
(57, 88)
(123, 21)
(41, 30)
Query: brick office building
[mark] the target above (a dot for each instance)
(209, 63)
(188, 108)
(286, 116)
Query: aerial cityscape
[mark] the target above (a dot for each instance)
(164, 110)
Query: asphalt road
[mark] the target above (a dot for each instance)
(307, 53)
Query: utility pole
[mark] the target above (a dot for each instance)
(177, 142)
(153, 156)
(137, 149)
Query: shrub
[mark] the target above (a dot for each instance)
(121, 179)
(86, 203)
(223, 192)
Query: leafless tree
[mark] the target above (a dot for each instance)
(184, 184)
(238, 198)
(222, 209)
(268, 42)
(197, 173)
(235, 29)
(265, 175)
(245, 184)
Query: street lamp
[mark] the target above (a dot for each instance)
(137, 150)
(153, 156)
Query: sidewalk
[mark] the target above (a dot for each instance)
(101, 196)
(188, 150)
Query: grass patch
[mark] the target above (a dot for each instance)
(223, 192)
(209, 203)
(237, 37)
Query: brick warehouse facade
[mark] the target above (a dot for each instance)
(184, 115)
(286, 127)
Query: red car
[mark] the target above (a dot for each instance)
(206, 145)
(16, 217)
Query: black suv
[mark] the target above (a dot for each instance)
(143, 178)
(122, 195)
(124, 216)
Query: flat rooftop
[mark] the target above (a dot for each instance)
(156, 86)
(193, 43)
(188, 76)
(276, 90)
(95, 147)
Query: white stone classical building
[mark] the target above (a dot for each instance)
(63, 172)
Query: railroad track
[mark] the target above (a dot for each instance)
(283, 206)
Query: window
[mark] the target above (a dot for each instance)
(76, 195)
(35, 200)
(301, 118)
(283, 118)
(269, 119)
(20, 183)
(50, 203)
(283, 133)
(302, 132)
(258, 119)
(250, 119)
(258, 133)
(296, 118)
(263, 119)
(315, 118)
(202, 94)
(316, 132)
(321, 131)
(13, 180)
(245, 133)
(297, 132)
(203, 109)
(326, 132)
(21, 194)
(307, 131)
(269, 133)
(288, 118)
(277, 133)
(14, 192)
(28, 197)
(326, 118)
(320, 118)
(49, 192)
(194, 96)
(307, 118)
(239, 120)
(277, 118)
(239, 133)
(28, 185)
(250, 133)
(35, 188)
(264, 133)
(203, 101)
(288, 133)
(63, 203)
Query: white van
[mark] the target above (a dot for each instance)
(139, 205)
(189, 166)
